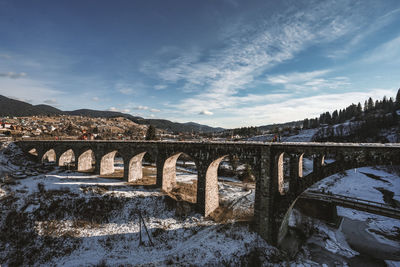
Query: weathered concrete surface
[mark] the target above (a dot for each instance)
(85, 161)
(134, 171)
(107, 163)
(67, 157)
(265, 160)
(49, 156)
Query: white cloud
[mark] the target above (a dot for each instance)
(30, 89)
(13, 75)
(95, 98)
(295, 77)
(217, 78)
(308, 81)
(155, 110)
(50, 101)
(160, 86)
(130, 88)
(288, 109)
(388, 52)
(206, 112)
(113, 109)
(5, 56)
(364, 32)
(126, 91)
(141, 107)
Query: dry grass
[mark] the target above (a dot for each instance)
(185, 191)
(149, 177)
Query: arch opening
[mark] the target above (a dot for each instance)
(327, 185)
(142, 169)
(112, 165)
(67, 159)
(307, 164)
(230, 184)
(33, 152)
(329, 159)
(86, 161)
(180, 177)
(49, 156)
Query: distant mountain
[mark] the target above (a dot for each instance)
(11, 107)
(49, 110)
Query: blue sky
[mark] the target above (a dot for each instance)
(225, 63)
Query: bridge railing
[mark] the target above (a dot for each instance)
(339, 197)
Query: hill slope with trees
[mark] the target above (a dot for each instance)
(15, 108)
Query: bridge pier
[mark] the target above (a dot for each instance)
(266, 190)
(296, 171)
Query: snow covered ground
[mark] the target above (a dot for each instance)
(65, 218)
(362, 238)
(303, 136)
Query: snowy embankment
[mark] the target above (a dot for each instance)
(361, 236)
(302, 136)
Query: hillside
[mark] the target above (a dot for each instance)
(11, 107)
(16, 108)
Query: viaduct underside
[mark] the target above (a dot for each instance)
(277, 167)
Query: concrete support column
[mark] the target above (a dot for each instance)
(264, 221)
(296, 168)
(58, 159)
(201, 189)
(318, 163)
(126, 171)
(97, 164)
(160, 166)
(40, 156)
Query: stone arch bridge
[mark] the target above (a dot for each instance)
(277, 167)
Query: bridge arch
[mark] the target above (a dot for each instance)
(225, 174)
(86, 160)
(186, 188)
(283, 172)
(33, 152)
(67, 157)
(49, 156)
(135, 171)
(343, 162)
(112, 163)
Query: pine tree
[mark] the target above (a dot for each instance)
(306, 124)
(359, 109)
(398, 99)
(151, 133)
(370, 104)
(335, 117)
